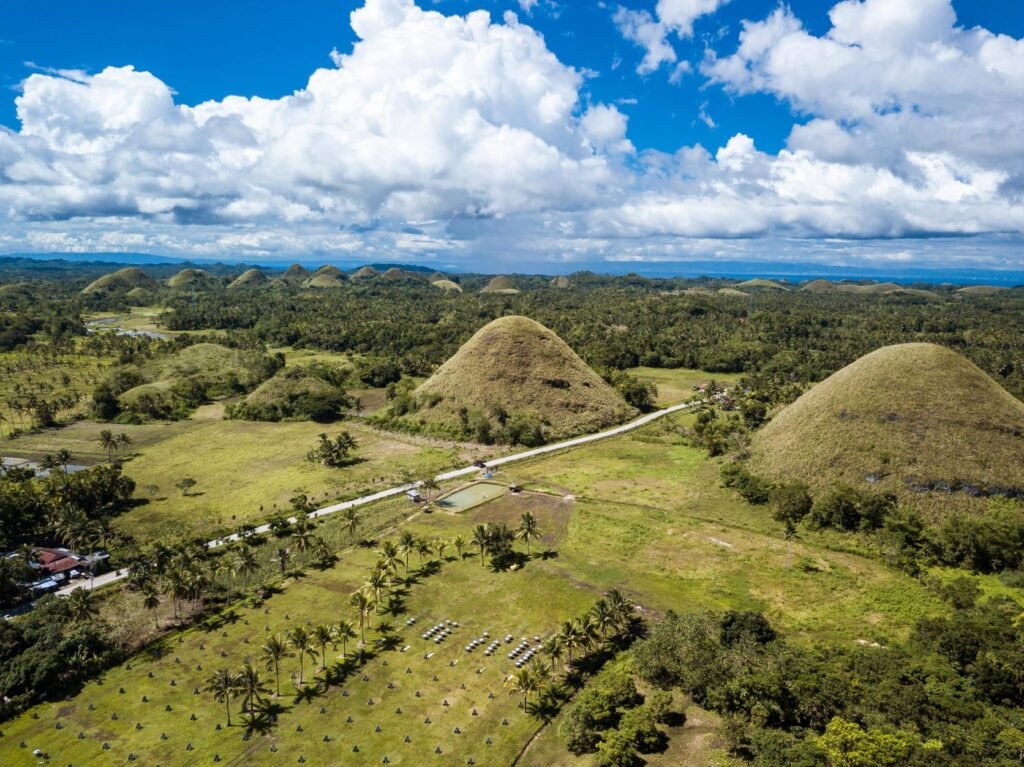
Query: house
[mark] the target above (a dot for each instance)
(59, 565)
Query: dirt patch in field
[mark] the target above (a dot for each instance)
(552, 513)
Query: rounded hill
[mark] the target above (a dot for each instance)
(447, 285)
(295, 274)
(324, 281)
(759, 283)
(192, 278)
(122, 280)
(252, 278)
(515, 374)
(981, 290)
(364, 273)
(500, 285)
(909, 419)
(818, 286)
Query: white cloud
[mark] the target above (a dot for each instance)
(652, 32)
(910, 126)
(428, 116)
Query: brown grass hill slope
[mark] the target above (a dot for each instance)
(252, 278)
(732, 292)
(500, 285)
(514, 373)
(437, 277)
(188, 279)
(918, 420)
(818, 286)
(561, 281)
(759, 284)
(364, 273)
(140, 296)
(874, 288)
(447, 285)
(295, 274)
(323, 281)
(981, 290)
(122, 280)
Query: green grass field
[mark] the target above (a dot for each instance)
(639, 512)
(241, 466)
(675, 385)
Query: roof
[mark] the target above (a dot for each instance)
(54, 561)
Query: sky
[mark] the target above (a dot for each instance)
(518, 135)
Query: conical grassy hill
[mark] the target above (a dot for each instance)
(122, 280)
(192, 278)
(252, 278)
(500, 284)
(515, 367)
(915, 419)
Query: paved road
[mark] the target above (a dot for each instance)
(112, 577)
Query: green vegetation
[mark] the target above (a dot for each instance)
(759, 284)
(312, 392)
(513, 381)
(193, 279)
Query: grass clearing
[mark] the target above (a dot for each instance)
(675, 385)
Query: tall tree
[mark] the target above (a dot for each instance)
(224, 685)
(528, 529)
(303, 644)
(273, 652)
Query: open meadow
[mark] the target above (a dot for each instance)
(664, 532)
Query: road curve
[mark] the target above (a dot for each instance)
(113, 577)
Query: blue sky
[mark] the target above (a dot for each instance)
(651, 184)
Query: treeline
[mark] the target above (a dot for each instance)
(951, 696)
(620, 323)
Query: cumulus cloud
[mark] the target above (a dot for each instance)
(653, 32)
(907, 125)
(428, 116)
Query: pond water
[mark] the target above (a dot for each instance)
(470, 496)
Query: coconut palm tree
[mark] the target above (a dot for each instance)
(389, 557)
(81, 605)
(350, 518)
(363, 602)
(151, 601)
(423, 549)
(273, 652)
(245, 564)
(790, 534)
(482, 538)
(108, 442)
(302, 535)
(605, 618)
(343, 632)
(378, 582)
(430, 486)
(571, 638)
(224, 685)
(122, 441)
(528, 530)
(439, 547)
(323, 635)
(523, 682)
(552, 648)
(323, 554)
(63, 459)
(282, 558)
(251, 687)
(303, 644)
(406, 545)
(460, 544)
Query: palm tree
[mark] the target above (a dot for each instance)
(605, 618)
(430, 485)
(323, 555)
(303, 643)
(439, 548)
(283, 556)
(389, 558)
(63, 459)
(552, 647)
(482, 538)
(571, 638)
(302, 535)
(460, 544)
(378, 581)
(108, 442)
(528, 529)
(122, 441)
(151, 601)
(423, 548)
(363, 601)
(245, 564)
(350, 517)
(81, 605)
(273, 652)
(344, 631)
(251, 687)
(522, 681)
(323, 635)
(406, 545)
(49, 463)
(224, 685)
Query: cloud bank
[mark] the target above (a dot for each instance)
(461, 137)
